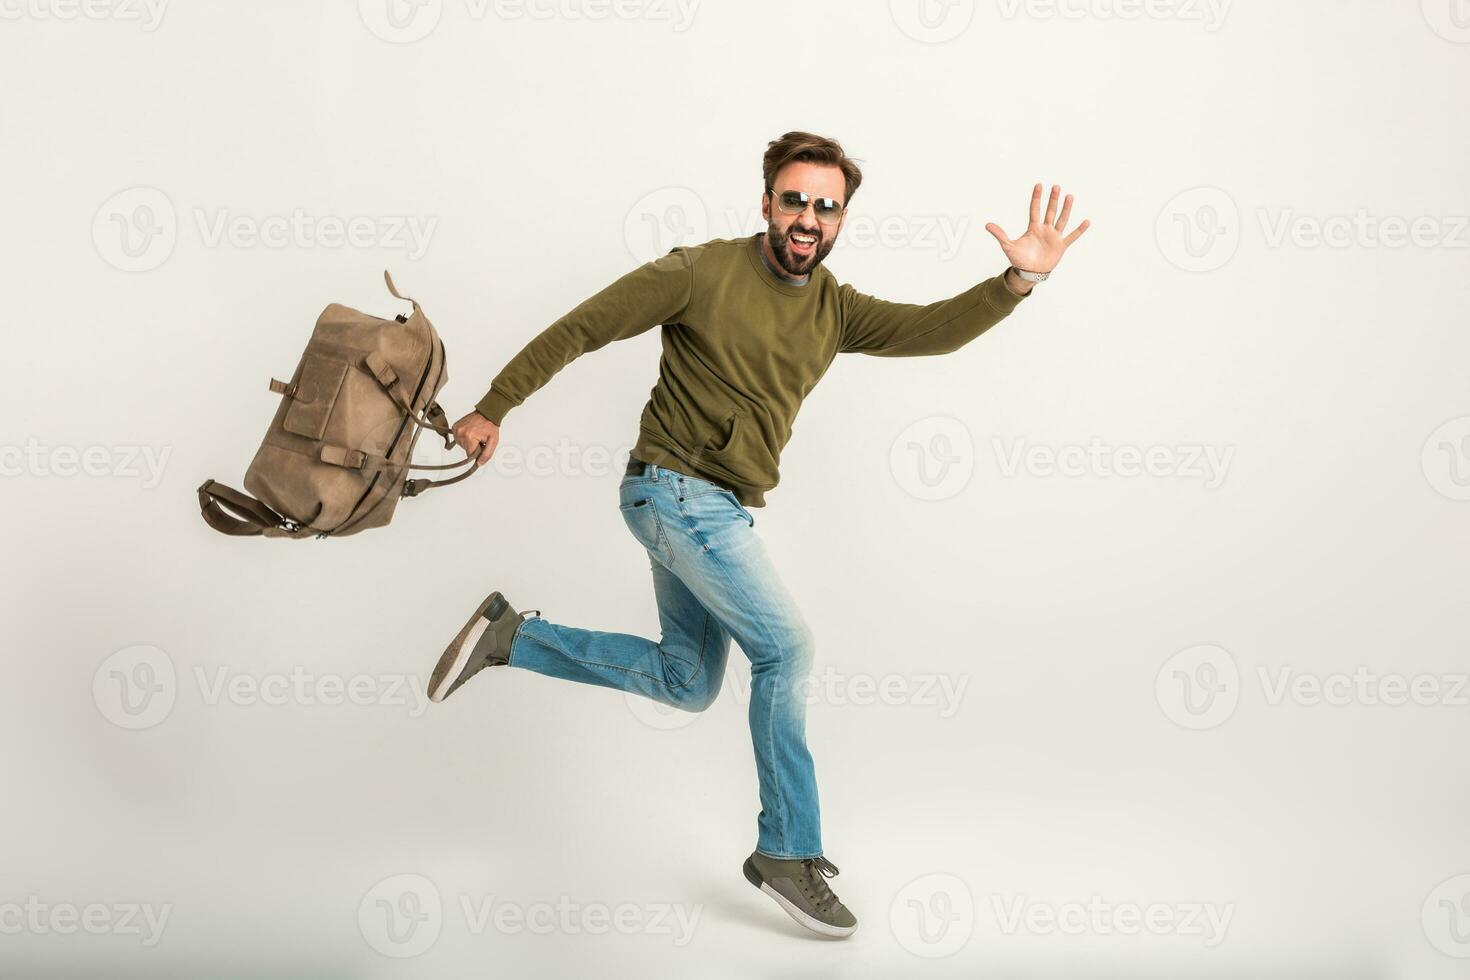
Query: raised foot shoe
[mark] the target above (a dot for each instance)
(484, 642)
(799, 886)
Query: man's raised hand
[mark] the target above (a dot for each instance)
(1042, 246)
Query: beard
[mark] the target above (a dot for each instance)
(791, 262)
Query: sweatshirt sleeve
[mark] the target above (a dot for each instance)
(876, 326)
(656, 292)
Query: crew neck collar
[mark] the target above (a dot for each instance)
(781, 285)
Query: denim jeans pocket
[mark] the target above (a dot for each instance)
(709, 499)
(640, 513)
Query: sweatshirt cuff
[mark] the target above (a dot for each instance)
(494, 405)
(999, 295)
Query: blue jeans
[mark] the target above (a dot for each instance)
(714, 581)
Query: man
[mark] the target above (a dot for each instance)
(749, 326)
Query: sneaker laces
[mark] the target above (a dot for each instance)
(823, 869)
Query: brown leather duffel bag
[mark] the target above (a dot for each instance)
(337, 456)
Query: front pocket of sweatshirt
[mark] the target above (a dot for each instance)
(726, 438)
(736, 452)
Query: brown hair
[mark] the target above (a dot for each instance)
(799, 147)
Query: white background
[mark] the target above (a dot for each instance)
(545, 144)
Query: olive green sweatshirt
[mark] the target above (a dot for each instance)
(742, 347)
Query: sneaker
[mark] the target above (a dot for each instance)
(799, 886)
(484, 642)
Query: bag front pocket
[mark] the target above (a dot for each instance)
(314, 394)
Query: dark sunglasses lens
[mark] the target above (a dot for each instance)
(793, 201)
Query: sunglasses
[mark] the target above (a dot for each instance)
(795, 202)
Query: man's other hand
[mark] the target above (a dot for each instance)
(477, 436)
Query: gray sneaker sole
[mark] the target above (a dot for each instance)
(802, 917)
(456, 657)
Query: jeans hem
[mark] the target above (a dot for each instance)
(787, 857)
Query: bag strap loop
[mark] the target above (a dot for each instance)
(394, 290)
(433, 417)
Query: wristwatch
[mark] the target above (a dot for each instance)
(1032, 276)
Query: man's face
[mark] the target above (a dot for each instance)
(786, 232)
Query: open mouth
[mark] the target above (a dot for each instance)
(802, 244)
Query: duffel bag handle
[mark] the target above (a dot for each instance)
(218, 504)
(412, 488)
